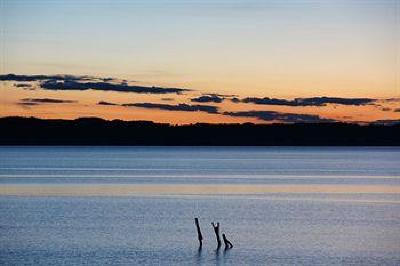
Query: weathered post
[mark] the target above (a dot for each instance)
(199, 235)
(227, 243)
(216, 230)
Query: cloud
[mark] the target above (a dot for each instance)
(28, 103)
(266, 101)
(221, 95)
(72, 82)
(168, 107)
(208, 99)
(180, 107)
(347, 117)
(313, 101)
(23, 85)
(283, 117)
(235, 100)
(14, 77)
(387, 122)
(36, 101)
(391, 100)
(335, 100)
(106, 103)
(105, 86)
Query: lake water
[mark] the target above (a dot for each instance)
(135, 205)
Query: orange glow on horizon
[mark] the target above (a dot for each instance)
(86, 106)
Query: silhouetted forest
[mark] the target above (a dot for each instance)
(95, 131)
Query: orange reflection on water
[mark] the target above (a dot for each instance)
(184, 189)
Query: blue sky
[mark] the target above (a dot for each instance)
(283, 49)
(208, 43)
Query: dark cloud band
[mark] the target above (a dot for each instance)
(208, 99)
(71, 82)
(23, 85)
(45, 100)
(106, 103)
(106, 86)
(282, 117)
(27, 78)
(313, 101)
(180, 107)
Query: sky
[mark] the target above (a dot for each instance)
(249, 49)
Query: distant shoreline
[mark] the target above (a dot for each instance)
(99, 132)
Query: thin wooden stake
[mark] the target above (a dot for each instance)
(199, 235)
(228, 244)
(216, 230)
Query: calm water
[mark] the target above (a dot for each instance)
(131, 205)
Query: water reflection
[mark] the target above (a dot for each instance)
(218, 258)
(183, 189)
(198, 258)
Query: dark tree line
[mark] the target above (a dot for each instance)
(95, 131)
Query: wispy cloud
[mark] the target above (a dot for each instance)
(390, 100)
(180, 107)
(106, 103)
(37, 101)
(261, 115)
(26, 78)
(23, 85)
(282, 117)
(106, 86)
(387, 122)
(208, 99)
(72, 82)
(28, 103)
(313, 101)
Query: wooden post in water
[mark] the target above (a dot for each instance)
(216, 230)
(199, 235)
(228, 244)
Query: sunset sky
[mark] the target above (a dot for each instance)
(235, 53)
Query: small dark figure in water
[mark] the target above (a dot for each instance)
(228, 243)
(216, 230)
